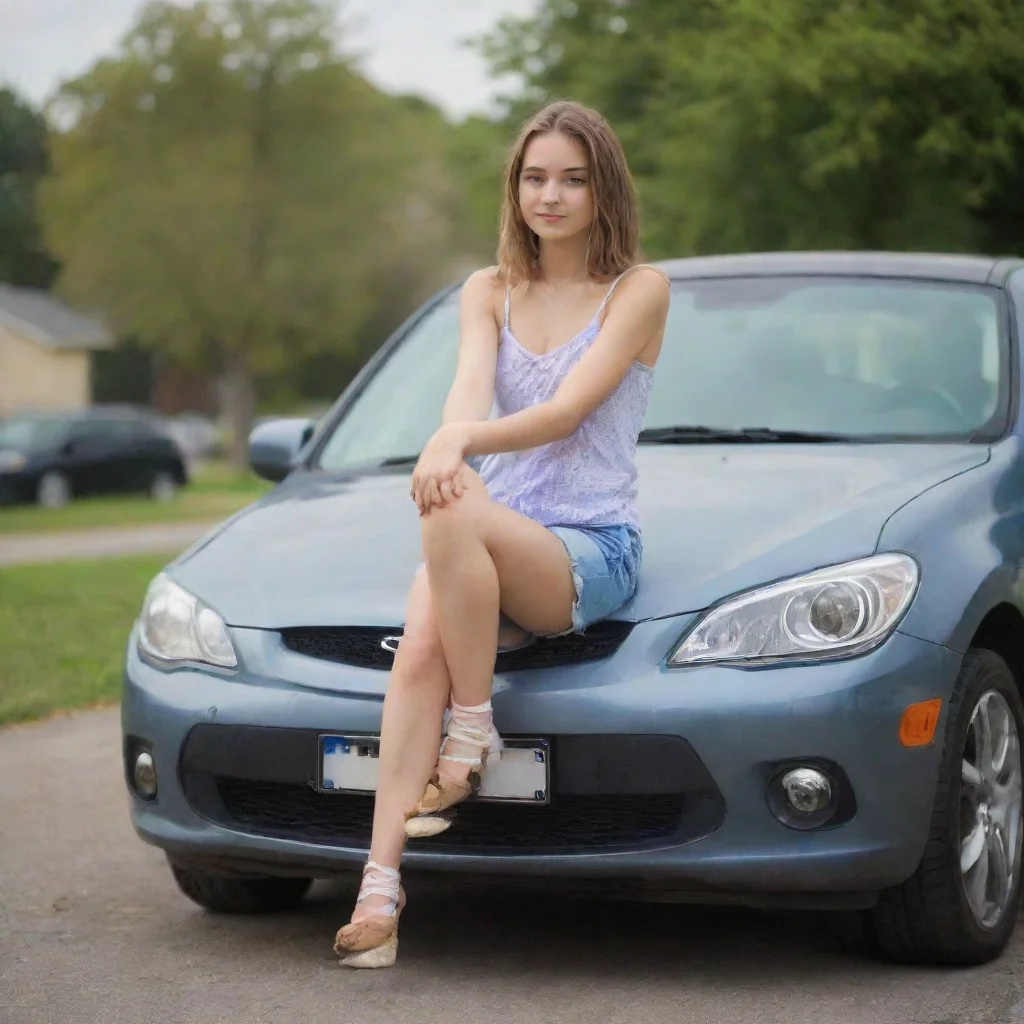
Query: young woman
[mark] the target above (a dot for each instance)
(564, 333)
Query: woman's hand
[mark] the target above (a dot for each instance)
(436, 480)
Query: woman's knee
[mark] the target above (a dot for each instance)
(420, 654)
(420, 657)
(448, 528)
(473, 482)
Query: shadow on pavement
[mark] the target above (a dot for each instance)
(479, 930)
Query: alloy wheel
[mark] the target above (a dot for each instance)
(990, 809)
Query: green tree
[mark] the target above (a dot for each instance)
(797, 123)
(227, 189)
(477, 148)
(23, 257)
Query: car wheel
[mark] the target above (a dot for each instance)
(53, 490)
(960, 906)
(163, 486)
(256, 895)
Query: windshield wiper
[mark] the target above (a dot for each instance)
(398, 460)
(683, 434)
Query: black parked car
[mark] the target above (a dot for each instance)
(50, 458)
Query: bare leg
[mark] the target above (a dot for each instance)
(416, 697)
(482, 558)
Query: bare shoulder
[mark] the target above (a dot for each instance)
(646, 280)
(481, 290)
(644, 290)
(482, 283)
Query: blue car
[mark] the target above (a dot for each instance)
(812, 701)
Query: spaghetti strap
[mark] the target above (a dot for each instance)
(615, 284)
(508, 300)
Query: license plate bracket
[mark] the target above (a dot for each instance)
(348, 764)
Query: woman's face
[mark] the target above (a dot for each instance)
(554, 187)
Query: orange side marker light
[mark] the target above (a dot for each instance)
(917, 727)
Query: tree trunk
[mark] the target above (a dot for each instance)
(239, 396)
(240, 405)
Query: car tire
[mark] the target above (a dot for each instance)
(255, 895)
(163, 486)
(53, 490)
(976, 821)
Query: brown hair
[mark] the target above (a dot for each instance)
(614, 243)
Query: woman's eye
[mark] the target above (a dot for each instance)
(533, 177)
(576, 181)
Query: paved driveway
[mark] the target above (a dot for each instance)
(93, 931)
(114, 542)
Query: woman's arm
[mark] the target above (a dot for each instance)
(636, 318)
(472, 391)
(470, 397)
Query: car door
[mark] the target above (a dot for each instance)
(136, 456)
(96, 457)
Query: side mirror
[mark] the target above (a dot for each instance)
(274, 446)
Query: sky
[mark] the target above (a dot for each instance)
(407, 45)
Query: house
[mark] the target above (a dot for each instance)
(45, 351)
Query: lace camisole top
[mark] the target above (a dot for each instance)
(588, 478)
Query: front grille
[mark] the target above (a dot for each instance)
(567, 824)
(608, 791)
(361, 646)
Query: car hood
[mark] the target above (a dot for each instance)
(716, 519)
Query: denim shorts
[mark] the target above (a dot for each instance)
(605, 561)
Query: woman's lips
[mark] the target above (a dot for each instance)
(550, 218)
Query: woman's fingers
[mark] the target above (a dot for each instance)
(435, 492)
(418, 495)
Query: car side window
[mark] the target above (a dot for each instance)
(147, 431)
(129, 431)
(94, 433)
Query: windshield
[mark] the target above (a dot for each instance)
(401, 405)
(862, 358)
(31, 433)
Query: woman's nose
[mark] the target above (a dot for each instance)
(550, 193)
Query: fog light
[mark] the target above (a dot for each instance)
(811, 794)
(144, 775)
(807, 790)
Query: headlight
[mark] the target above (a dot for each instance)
(11, 462)
(832, 613)
(176, 626)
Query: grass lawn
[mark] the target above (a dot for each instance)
(63, 631)
(214, 493)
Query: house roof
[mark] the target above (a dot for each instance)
(37, 316)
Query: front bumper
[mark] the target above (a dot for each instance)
(729, 727)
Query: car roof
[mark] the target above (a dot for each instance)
(924, 266)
